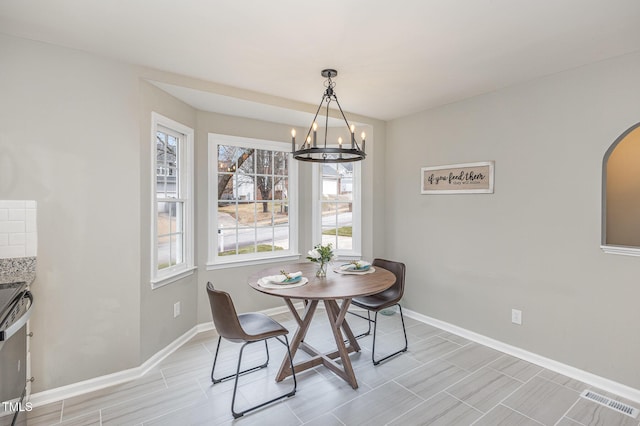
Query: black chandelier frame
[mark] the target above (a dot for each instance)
(310, 151)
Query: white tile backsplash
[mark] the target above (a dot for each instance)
(18, 228)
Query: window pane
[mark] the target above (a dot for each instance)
(167, 148)
(281, 239)
(329, 187)
(281, 163)
(326, 239)
(171, 183)
(170, 150)
(344, 228)
(171, 213)
(246, 239)
(227, 215)
(245, 160)
(280, 213)
(345, 243)
(163, 221)
(337, 181)
(328, 211)
(245, 187)
(177, 256)
(254, 201)
(226, 186)
(264, 213)
(226, 158)
(161, 186)
(264, 162)
(170, 231)
(264, 188)
(345, 183)
(246, 214)
(230, 213)
(264, 238)
(226, 241)
(163, 252)
(281, 188)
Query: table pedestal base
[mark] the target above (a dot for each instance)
(337, 321)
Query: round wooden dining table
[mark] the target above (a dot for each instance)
(332, 289)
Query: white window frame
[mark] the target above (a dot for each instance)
(356, 231)
(218, 262)
(168, 275)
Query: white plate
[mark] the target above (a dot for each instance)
(267, 284)
(371, 270)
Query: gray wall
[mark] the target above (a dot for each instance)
(75, 134)
(158, 328)
(69, 139)
(533, 245)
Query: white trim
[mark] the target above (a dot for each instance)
(186, 170)
(79, 388)
(157, 283)
(97, 383)
(621, 250)
(273, 258)
(550, 364)
(217, 262)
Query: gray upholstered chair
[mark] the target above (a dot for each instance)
(244, 328)
(379, 301)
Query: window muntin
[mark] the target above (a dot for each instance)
(251, 215)
(172, 205)
(337, 207)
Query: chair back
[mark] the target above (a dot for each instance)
(396, 291)
(224, 315)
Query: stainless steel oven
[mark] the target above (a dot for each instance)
(15, 309)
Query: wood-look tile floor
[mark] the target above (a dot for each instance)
(443, 379)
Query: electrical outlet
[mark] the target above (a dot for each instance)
(516, 316)
(176, 309)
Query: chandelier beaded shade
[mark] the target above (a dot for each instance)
(312, 150)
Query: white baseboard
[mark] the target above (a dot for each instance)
(550, 364)
(79, 388)
(97, 383)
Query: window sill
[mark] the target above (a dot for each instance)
(621, 250)
(348, 257)
(161, 282)
(247, 262)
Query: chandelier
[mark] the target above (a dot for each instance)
(313, 150)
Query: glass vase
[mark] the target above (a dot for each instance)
(322, 270)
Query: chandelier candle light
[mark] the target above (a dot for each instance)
(310, 151)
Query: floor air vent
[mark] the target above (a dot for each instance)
(608, 402)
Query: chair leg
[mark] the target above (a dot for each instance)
(238, 373)
(249, 370)
(369, 321)
(375, 327)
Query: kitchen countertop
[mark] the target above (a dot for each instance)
(18, 269)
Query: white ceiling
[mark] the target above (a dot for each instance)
(394, 58)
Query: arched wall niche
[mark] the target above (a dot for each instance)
(621, 195)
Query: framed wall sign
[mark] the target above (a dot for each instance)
(468, 178)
